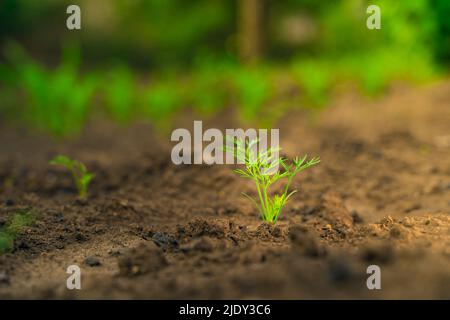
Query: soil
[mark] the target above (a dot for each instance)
(151, 229)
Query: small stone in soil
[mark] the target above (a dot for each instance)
(80, 237)
(24, 245)
(377, 253)
(339, 271)
(92, 262)
(164, 241)
(115, 253)
(356, 217)
(59, 217)
(413, 207)
(143, 259)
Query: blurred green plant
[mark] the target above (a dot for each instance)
(374, 72)
(209, 90)
(13, 227)
(120, 94)
(314, 79)
(81, 176)
(196, 44)
(441, 42)
(252, 91)
(160, 102)
(56, 101)
(174, 32)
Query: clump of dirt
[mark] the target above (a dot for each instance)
(305, 243)
(335, 212)
(202, 227)
(140, 260)
(202, 244)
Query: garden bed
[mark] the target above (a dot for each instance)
(150, 229)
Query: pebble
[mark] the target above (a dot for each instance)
(356, 217)
(92, 262)
(340, 271)
(80, 237)
(143, 259)
(59, 217)
(164, 241)
(377, 253)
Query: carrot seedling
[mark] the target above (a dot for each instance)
(259, 167)
(81, 175)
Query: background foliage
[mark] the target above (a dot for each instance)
(153, 59)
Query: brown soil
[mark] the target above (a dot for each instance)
(155, 230)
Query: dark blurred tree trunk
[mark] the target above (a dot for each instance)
(251, 29)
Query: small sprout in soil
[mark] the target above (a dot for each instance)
(259, 168)
(13, 228)
(81, 175)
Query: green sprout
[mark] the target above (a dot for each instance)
(14, 227)
(262, 168)
(79, 172)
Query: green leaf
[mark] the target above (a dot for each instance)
(79, 172)
(87, 178)
(63, 161)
